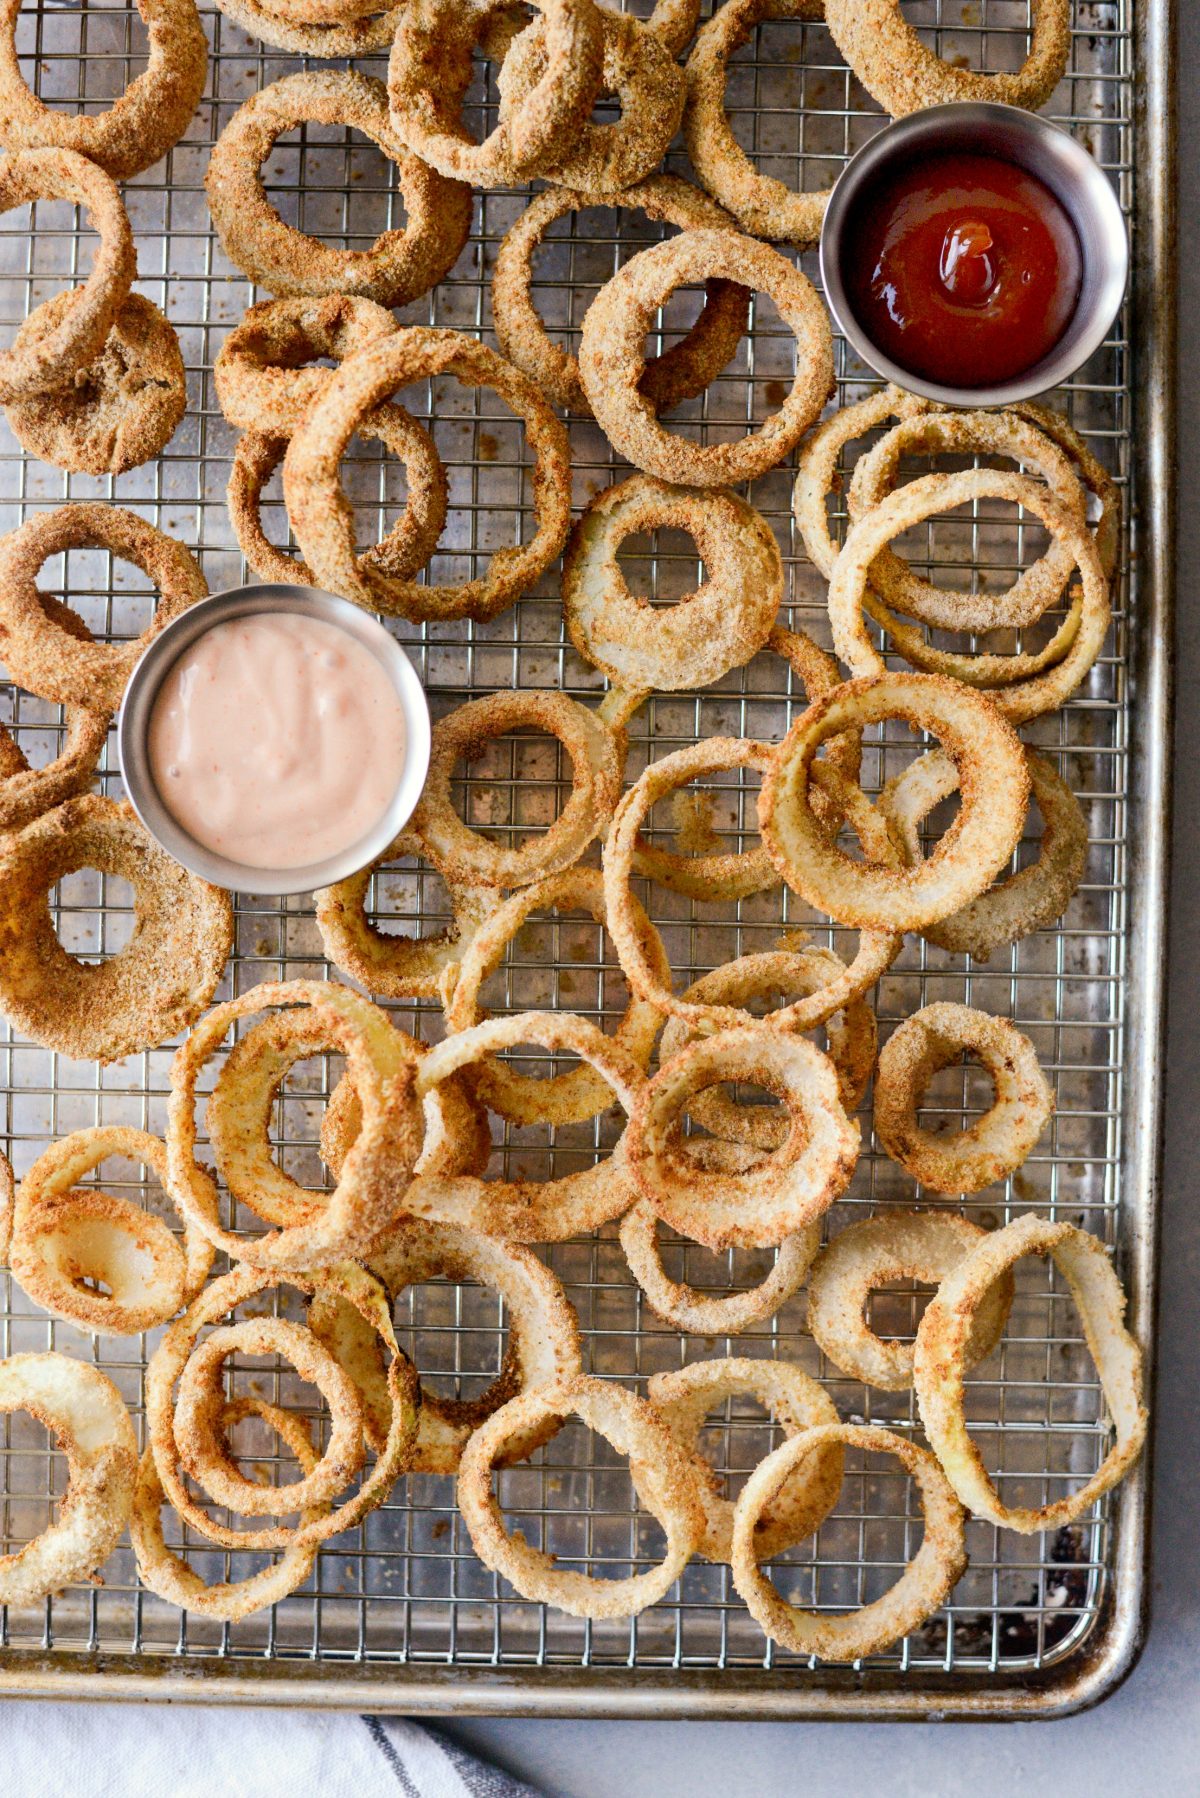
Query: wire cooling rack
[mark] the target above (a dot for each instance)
(402, 1599)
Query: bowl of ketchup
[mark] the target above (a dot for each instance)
(974, 254)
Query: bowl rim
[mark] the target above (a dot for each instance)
(160, 656)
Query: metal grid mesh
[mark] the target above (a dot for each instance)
(405, 1587)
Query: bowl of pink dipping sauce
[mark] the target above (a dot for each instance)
(274, 739)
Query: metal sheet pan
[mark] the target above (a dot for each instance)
(400, 1615)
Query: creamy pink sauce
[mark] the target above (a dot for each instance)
(277, 740)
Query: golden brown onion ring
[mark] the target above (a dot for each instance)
(894, 1245)
(268, 371)
(948, 1327)
(665, 1481)
(369, 35)
(995, 1144)
(612, 356)
(937, 1566)
(25, 792)
(905, 75)
(156, 985)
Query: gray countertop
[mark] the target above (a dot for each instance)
(1146, 1737)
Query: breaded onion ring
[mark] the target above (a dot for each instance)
(994, 1145)
(393, 965)
(458, 1137)
(894, 1245)
(430, 72)
(64, 1238)
(704, 1314)
(43, 363)
(948, 1327)
(366, 36)
(720, 625)
(163, 1572)
(905, 76)
(612, 356)
(798, 973)
(268, 371)
(323, 519)
(683, 1399)
(1078, 642)
(61, 664)
(675, 23)
(156, 985)
(25, 792)
(664, 1479)
(465, 854)
(543, 1344)
(681, 371)
(877, 948)
(761, 204)
(402, 552)
(937, 1566)
(789, 1189)
(399, 266)
(638, 71)
(86, 1414)
(579, 1093)
(142, 124)
(532, 1210)
(1020, 903)
(993, 783)
(120, 410)
(199, 1419)
(171, 1358)
(381, 1062)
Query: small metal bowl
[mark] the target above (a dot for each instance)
(134, 720)
(1072, 175)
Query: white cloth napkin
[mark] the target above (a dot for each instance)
(160, 1751)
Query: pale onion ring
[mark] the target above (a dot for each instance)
(25, 792)
(684, 369)
(683, 1399)
(168, 1575)
(393, 965)
(726, 875)
(171, 1357)
(579, 1093)
(543, 1343)
(994, 1145)
(937, 1566)
(405, 549)
(141, 124)
(155, 986)
(199, 1418)
(877, 948)
(905, 76)
(62, 1235)
(612, 356)
(467, 855)
(638, 71)
(789, 1189)
(696, 1313)
(531, 1210)
(993, 783)
(381, 1061)
(1020, 903)
(800, 973)
(864, 1256)
(720, 625)
(399, 266)
(87, 1414)
(268, 370)
(947, 1328)
(761, 205)
(62, 664)
(664, 1479)
(322, 517)
(430, 71)
(919, 500)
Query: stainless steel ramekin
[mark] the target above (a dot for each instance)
(147, 678)
(1046, 151)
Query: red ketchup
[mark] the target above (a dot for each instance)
(964, 270)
